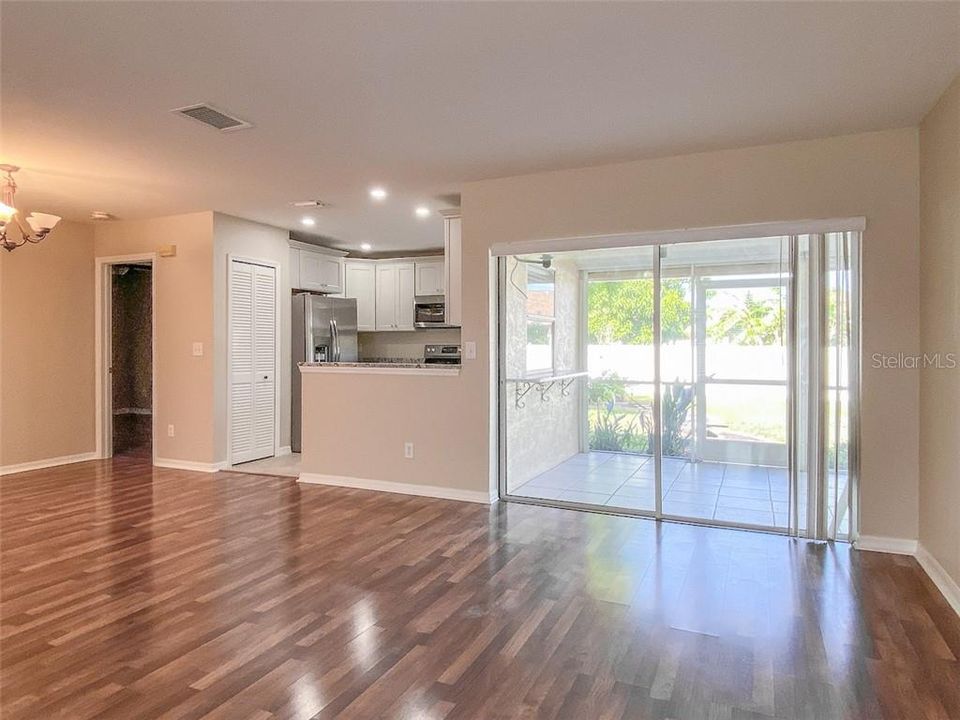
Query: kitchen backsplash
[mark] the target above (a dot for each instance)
(404, 344)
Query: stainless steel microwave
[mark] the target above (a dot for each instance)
(430, 315)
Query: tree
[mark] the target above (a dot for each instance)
(755, 322)
(621, 311)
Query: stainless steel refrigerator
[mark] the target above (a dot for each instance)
(324, 330)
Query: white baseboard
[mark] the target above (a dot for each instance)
(284, 450)
(878, 543)
(946, 584)
(189, 465)
(431, 491)
(47, 463)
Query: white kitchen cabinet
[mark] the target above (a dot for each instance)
(394, 292)
(405, 295)
(360, 283)
(294, 268)
(386, 297)
(320, 272)
(429, 278)
(452, 270)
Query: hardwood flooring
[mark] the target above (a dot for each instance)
(134, 592)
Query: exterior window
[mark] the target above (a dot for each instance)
(541, 320)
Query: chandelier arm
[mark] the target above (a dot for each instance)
(24, 230)
(10, 245)
(28, 234)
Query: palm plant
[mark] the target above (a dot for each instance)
(677, 430)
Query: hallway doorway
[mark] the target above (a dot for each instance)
(126, 395)
(131, 357)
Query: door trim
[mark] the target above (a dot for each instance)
(103, 339)
(278, 328)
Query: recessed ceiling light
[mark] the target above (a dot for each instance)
(100, 215)
(378, 193)
(308, 221)
(422, 211)
(366, 247)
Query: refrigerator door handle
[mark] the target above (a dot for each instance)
(335, 334)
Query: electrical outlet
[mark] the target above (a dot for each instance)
(408, 450)
(198, 349)
(169, 430)
(470, 350)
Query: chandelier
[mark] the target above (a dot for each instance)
(40, 224)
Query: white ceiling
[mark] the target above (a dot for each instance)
(422, 97)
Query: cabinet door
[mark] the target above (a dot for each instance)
(386, 311)
(310, 271)
(295, 269)
(405, 293)
(361, 284)
(429, 277)
(452, 256)
(319, 272)
(330, 274)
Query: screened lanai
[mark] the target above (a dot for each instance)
(695, 381)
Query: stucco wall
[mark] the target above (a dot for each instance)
(543, 433)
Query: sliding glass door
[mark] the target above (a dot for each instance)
(711, 382)
(723, 371)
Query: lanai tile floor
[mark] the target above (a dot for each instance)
(704, 490)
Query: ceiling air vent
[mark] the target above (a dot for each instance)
(210, 116)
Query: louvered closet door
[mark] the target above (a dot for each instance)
(253, 323)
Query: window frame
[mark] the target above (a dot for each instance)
(550, 321)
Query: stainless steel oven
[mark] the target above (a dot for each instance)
(441, 354)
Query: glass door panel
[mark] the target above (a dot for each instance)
(724, 381)
(619, 312)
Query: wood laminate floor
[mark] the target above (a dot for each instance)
(133, 592)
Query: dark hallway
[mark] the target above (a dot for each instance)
(132, 359)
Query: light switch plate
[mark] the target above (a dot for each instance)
(198, 349)
(470, 350)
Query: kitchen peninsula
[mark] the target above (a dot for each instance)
(386, 426)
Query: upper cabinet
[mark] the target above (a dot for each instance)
(452, 272)
(320, 272)
(394, 289)
(316, 268)
(360, 283)
(429, 277)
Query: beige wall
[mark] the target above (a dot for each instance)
(253, 241)
(940, 330)
(46, 347)
(874, 174)
(355, 425)
(184, 313)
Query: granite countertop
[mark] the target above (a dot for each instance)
(387, 363)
